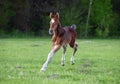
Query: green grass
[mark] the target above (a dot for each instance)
(96, 62)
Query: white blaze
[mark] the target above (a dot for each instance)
(52, 20)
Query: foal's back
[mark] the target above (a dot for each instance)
(70, 35)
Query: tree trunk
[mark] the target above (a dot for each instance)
(88, 17)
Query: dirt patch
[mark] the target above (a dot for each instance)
(18, 67)
(35, 45)
(53, 76)
(86, 62)
(85, 71)
(85, 66)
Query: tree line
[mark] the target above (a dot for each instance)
(94, 18)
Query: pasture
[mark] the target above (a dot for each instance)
(96, 62)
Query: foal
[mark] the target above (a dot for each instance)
(61, 37)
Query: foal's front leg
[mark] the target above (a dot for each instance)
(50, 55)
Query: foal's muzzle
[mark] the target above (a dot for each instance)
(50, 32)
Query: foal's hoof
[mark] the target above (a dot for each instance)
(72, 63)
(42, 70)
(63, 64)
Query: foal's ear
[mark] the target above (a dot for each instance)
(51, 14)
(57, 14)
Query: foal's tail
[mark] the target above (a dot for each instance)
(73, 26)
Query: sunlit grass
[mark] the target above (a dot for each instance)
(96, 62)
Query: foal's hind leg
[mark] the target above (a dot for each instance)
(63, 55)
(74, 46)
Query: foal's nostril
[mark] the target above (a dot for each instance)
(50, 32)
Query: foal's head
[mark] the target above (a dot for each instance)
(54, 21)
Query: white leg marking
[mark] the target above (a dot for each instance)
(72, 59)
(75, 49)
(50, 55)
(63, 59)
(63, 55)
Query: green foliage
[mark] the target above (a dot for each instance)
(45, 25)
(101, 15)
(106, 32)
(75, 14)
(70, 16)
(32, 17)
(114, 27)
(98, 32)
(6, 14)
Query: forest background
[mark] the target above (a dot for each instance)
(94, 18)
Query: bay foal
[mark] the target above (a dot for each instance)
(61, 37)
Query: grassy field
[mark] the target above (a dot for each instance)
(96, 62)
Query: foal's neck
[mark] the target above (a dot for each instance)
(59, 30)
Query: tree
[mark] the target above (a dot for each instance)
(6, 13)
(115, 27)
(88, 17)
(101, 17)
(93, 17)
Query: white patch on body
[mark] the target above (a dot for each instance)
(52, 20)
